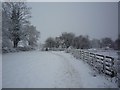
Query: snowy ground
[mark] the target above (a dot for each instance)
(52, 69)
(0, 71)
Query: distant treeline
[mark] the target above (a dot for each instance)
(81, 42)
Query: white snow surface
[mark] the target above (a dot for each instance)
(0, 71)
(49, 69)
(111, 53)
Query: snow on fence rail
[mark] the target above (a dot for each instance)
(103, 64)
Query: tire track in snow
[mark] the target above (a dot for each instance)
(69, 74)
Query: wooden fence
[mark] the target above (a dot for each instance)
(102, 63)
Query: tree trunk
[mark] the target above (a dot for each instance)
(15, 42)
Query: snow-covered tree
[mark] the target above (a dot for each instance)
(67, 38)
(18, 15)
(50, 42)
(95, 43)
(16, 27)
(117, 44)
(107, 42)
(81, 42)
(31, 35)
(6, 24)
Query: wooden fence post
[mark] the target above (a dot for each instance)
(104, 61)
(104, 64)
(80, 54)
(94, 61)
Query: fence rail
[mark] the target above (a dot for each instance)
(103, 64)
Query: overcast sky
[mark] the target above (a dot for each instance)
(97, 20)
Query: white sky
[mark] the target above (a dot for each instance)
(97, 20)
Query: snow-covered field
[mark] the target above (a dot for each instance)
(111, 53)
(52, 69)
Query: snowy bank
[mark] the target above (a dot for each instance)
(51, 69)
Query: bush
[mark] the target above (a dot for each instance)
(25, 48)
(8, 50)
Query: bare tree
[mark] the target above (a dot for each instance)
(107, 42)
(31, 35)
(95, 43)
(67, 38)
(50, 42)
(18, 15)
(81, 42)
(6, 24)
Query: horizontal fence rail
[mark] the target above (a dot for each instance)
(103, 64)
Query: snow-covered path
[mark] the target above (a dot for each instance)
(48, 70)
